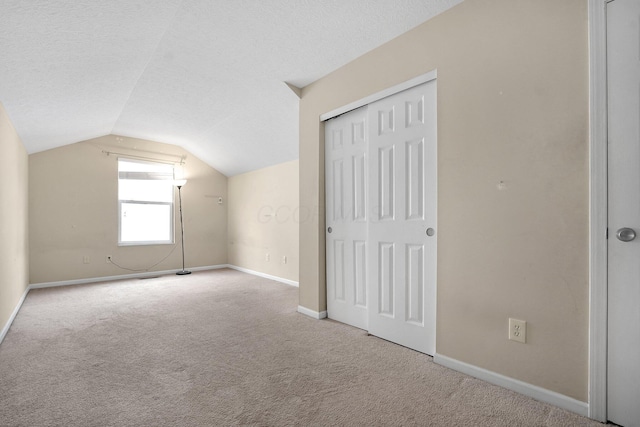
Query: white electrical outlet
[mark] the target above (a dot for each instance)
(86, 259)
(518, 330)
(267, 257)
(108, 259)
(284, 259)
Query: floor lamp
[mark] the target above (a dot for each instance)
(179, 183)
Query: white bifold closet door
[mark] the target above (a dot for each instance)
(381, 244)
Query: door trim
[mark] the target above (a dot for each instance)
(597, 210)
(423, 78)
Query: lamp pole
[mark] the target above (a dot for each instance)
(179, 185)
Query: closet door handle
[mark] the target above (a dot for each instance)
(329, 230)
(626, 234)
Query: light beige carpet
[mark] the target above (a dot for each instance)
(225, 348)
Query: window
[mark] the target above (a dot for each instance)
(145, 202)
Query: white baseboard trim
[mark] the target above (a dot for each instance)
(311, 313)
(205, 268)
(6, 327)
(266, 276)
(530, 390)
(120, 277)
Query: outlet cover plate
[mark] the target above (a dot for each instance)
(518, 330)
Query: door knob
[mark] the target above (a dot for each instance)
(626, 234)
(329, 229)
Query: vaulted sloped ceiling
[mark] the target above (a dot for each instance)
(208, 75)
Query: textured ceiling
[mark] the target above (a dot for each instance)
(208, 75)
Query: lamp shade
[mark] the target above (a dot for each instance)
(179, 182)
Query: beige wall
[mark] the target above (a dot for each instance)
(264, 218)
(74, 212)
(512, 107)
(14, 241)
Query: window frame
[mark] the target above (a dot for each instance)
(171, 205)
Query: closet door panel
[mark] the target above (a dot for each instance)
(346, 171)
(403, 180)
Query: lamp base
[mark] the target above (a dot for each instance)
(183, 272)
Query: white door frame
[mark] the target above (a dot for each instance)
(598, 210)
(423, 78)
